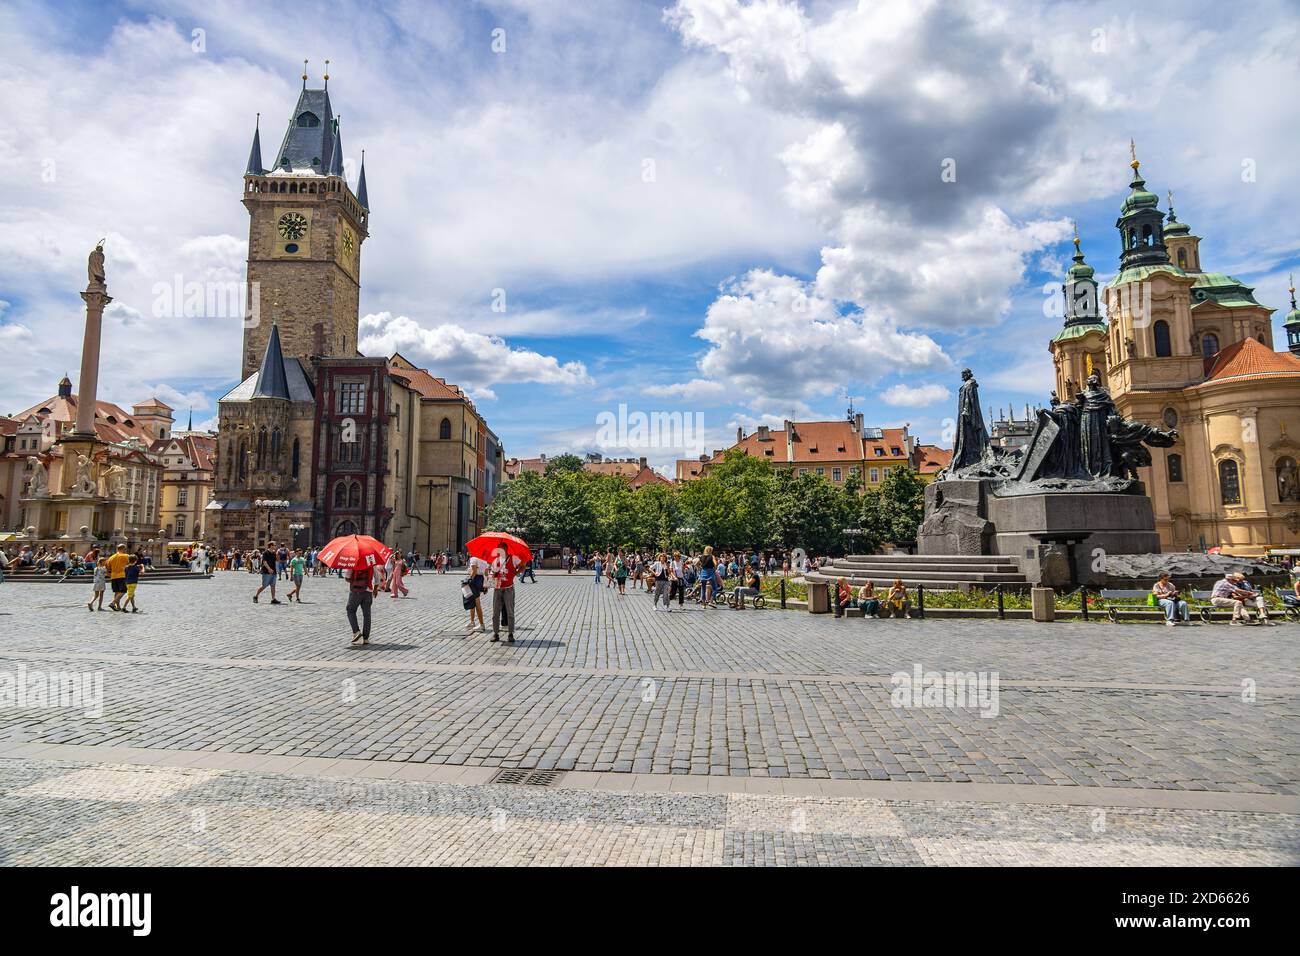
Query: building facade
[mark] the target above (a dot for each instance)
(1193, 350)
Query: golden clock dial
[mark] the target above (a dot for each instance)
(292, 225)
(349, 244)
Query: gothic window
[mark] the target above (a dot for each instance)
(1175, 463)
(1209, 344)
(345, 527)
(275, 446)
(1288, 485)
(243, 459)
(341, 495)
(261, 448)
(1229, 482)
(444, 430)
(354, 495)
(294, 464)
(1161, 333)
(349, 452)
(308, 119)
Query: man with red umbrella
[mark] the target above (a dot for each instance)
(506, 555)
(357, 555)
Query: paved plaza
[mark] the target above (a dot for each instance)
(240, 733)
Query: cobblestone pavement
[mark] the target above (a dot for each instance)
(609, 689)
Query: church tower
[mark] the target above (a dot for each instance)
(1079, 349)
(305, 231)
(1292, 323)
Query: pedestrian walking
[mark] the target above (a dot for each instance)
(477, 581)
(660, 568)
(269, 572)
(99, 586)
(362, 588)
(132, 577)
(398, 573)
(117, 563)
(297, 570)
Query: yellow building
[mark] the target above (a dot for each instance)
(188, 460)
(1192, 350)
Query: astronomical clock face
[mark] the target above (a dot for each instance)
(292, 226)
(347, 248)
(349, 243)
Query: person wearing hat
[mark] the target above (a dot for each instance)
(1233, 592)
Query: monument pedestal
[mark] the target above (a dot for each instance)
(1060, 539)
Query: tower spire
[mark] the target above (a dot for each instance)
(362, 197)
(255, 167)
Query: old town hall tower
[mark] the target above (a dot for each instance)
(305, 231)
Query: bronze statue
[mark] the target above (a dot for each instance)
(1127, 441)
(1094, 439)
(972, 437)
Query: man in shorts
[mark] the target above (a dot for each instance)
(268, 572)
(116, 565)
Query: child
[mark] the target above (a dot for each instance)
(133, 569)
(101, 583)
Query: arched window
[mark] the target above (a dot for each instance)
(1132, 238)
(1175, 463)
(1288, 481)
(444, 430)
(1161, 333)
(1229, 482)
(1146, 235)
(308, 119)
(1209, 344)
(261, 448)
(345, 527)
(354, 495)
(294, 464)
(1182, 258)
(275, 446)
(341, 495)
(243, 459)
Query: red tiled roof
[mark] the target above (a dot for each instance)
(60, 410)
(930, 459)
(199, 449)
(648, 476)
(1250, 358)
(8, 426)
(628, 469)
(822, 442)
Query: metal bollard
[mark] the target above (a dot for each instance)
(783, 594)
(1083, 601)
(1002, 614)
(920, 601)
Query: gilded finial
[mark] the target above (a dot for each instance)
(1076, 236)
(327, 74)
(304, 74)
(1292, 289)
(1132, 151)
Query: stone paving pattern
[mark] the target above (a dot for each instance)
(602, 683)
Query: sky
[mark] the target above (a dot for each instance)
(741, 212)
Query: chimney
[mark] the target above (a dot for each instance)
(704, 457)
(764, 433)
(857, 423)
(642, 460)
(740, 434)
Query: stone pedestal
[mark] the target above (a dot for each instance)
(1061, 538)
(1043, 603)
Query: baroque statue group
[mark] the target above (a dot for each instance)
(1083, 444)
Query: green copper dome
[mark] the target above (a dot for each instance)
(1139, 198)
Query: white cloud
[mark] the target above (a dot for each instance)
(470, 359)
(696, 390)
(915, 395)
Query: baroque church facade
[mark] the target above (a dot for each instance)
(319, 440)
(1192, 350)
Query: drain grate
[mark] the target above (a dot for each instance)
(528, 778)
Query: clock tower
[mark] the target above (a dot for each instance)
(305, 231)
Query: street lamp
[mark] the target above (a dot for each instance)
(685, 531)
(294, 529)
(271, 505)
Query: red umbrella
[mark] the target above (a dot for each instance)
(485, 546)
(354, 551)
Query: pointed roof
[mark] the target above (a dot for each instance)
(362, 197)
(255, 167)
(1251, 358)
(309, 139)
(272, 380)
(1292, 317)
(1173, 227)
(336, 155)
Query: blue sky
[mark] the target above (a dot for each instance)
(708, 206)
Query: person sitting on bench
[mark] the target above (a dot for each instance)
(1233, 592)
(843, 596)
(897, 601)
(1166, 593)
(868, 601)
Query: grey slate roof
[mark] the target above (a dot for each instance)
(336, 156)
(272, 381)
(308, 146)
(255, 167)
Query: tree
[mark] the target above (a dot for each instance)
(562, 463)
(808, 512)
(567, 515)
(901, 506)
(518, 504)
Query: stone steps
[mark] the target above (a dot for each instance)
(152, 576)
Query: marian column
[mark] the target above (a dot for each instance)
(96, 296)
